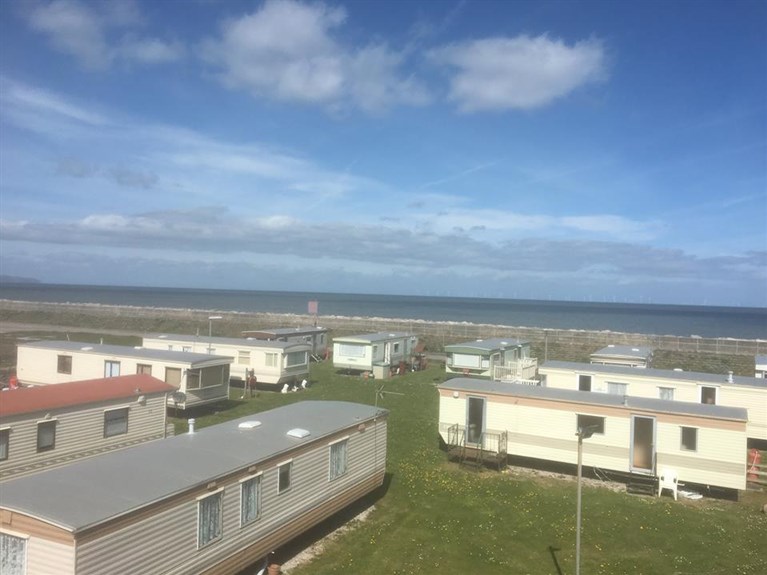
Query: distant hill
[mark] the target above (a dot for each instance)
(17, 280)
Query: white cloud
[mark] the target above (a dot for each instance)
(74, 29)
(288, 50)
(91, 33)
(520, 72)
(151, 50)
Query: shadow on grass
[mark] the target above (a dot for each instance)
(553, 550)
(322, 530)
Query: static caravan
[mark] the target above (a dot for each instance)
(731, 390)
(760, 366)
(316, 337)
(624, 355)
(200, 378)
(47, 426)
(376, 352)
(273, 362)
(498, 358)
(703, 444)
(213, 501)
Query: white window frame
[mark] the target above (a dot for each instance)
(243, 482)
(353, 349)
(335, 446)
(716, 393)
(661, 389)
(289, 465)
(109, 368)
(220, 494)
(290, 358)
(271, 359)
(124, 408)
(243, 357)
(682, 445)
(624, 387)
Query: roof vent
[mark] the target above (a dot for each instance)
(86, 348)
(729, 377)
(611, 345)
(249, 338)
(634, 349)
(252, 424)
(137, 347)
(298, 433)
(504, 343)
(678, 369)
(162, 336)
(392, 335)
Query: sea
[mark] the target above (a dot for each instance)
(654, 319)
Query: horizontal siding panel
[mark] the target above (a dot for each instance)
(168, 540)
(79, 434)
(49, 558)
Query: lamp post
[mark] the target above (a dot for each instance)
(210, 330)
(582, 433)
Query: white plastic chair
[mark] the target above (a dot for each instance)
(285, 388)
(668, 479)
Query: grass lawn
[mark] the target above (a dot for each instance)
(434, 517)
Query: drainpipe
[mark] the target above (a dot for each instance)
(191, 425)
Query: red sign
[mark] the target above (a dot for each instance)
(313, 307)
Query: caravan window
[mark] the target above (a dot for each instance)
(283, 472)
(250, 500)
(666, 393)
(689, 439)
(296, 358)
(617, 388)
(144, 368)
(64, 364)
(271, 360)
(5, 439)
(591, 421)
(584, 382)
(111, 368)
(209, 519)
(338, 452)
(396, 347)
(243, 357)
(46, 435)
(13, 554)
(116, 422)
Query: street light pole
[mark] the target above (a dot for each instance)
(210, 330)
(582, 433)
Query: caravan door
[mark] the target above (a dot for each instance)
(642, 444)
(475, 420)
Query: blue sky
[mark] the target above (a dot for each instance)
(606, 151)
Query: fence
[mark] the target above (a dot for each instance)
(442, 332)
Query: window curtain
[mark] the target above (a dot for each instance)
(337, 459)
(251, 494)
(13, 555)
(210, 519)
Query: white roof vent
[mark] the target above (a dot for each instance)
(162, 337)
(86, 348)
(611, 345)
(634, 349)
(137, 347)
(298, 433)
(249, 425)
(678, 369)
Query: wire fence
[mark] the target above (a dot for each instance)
(438, 332)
